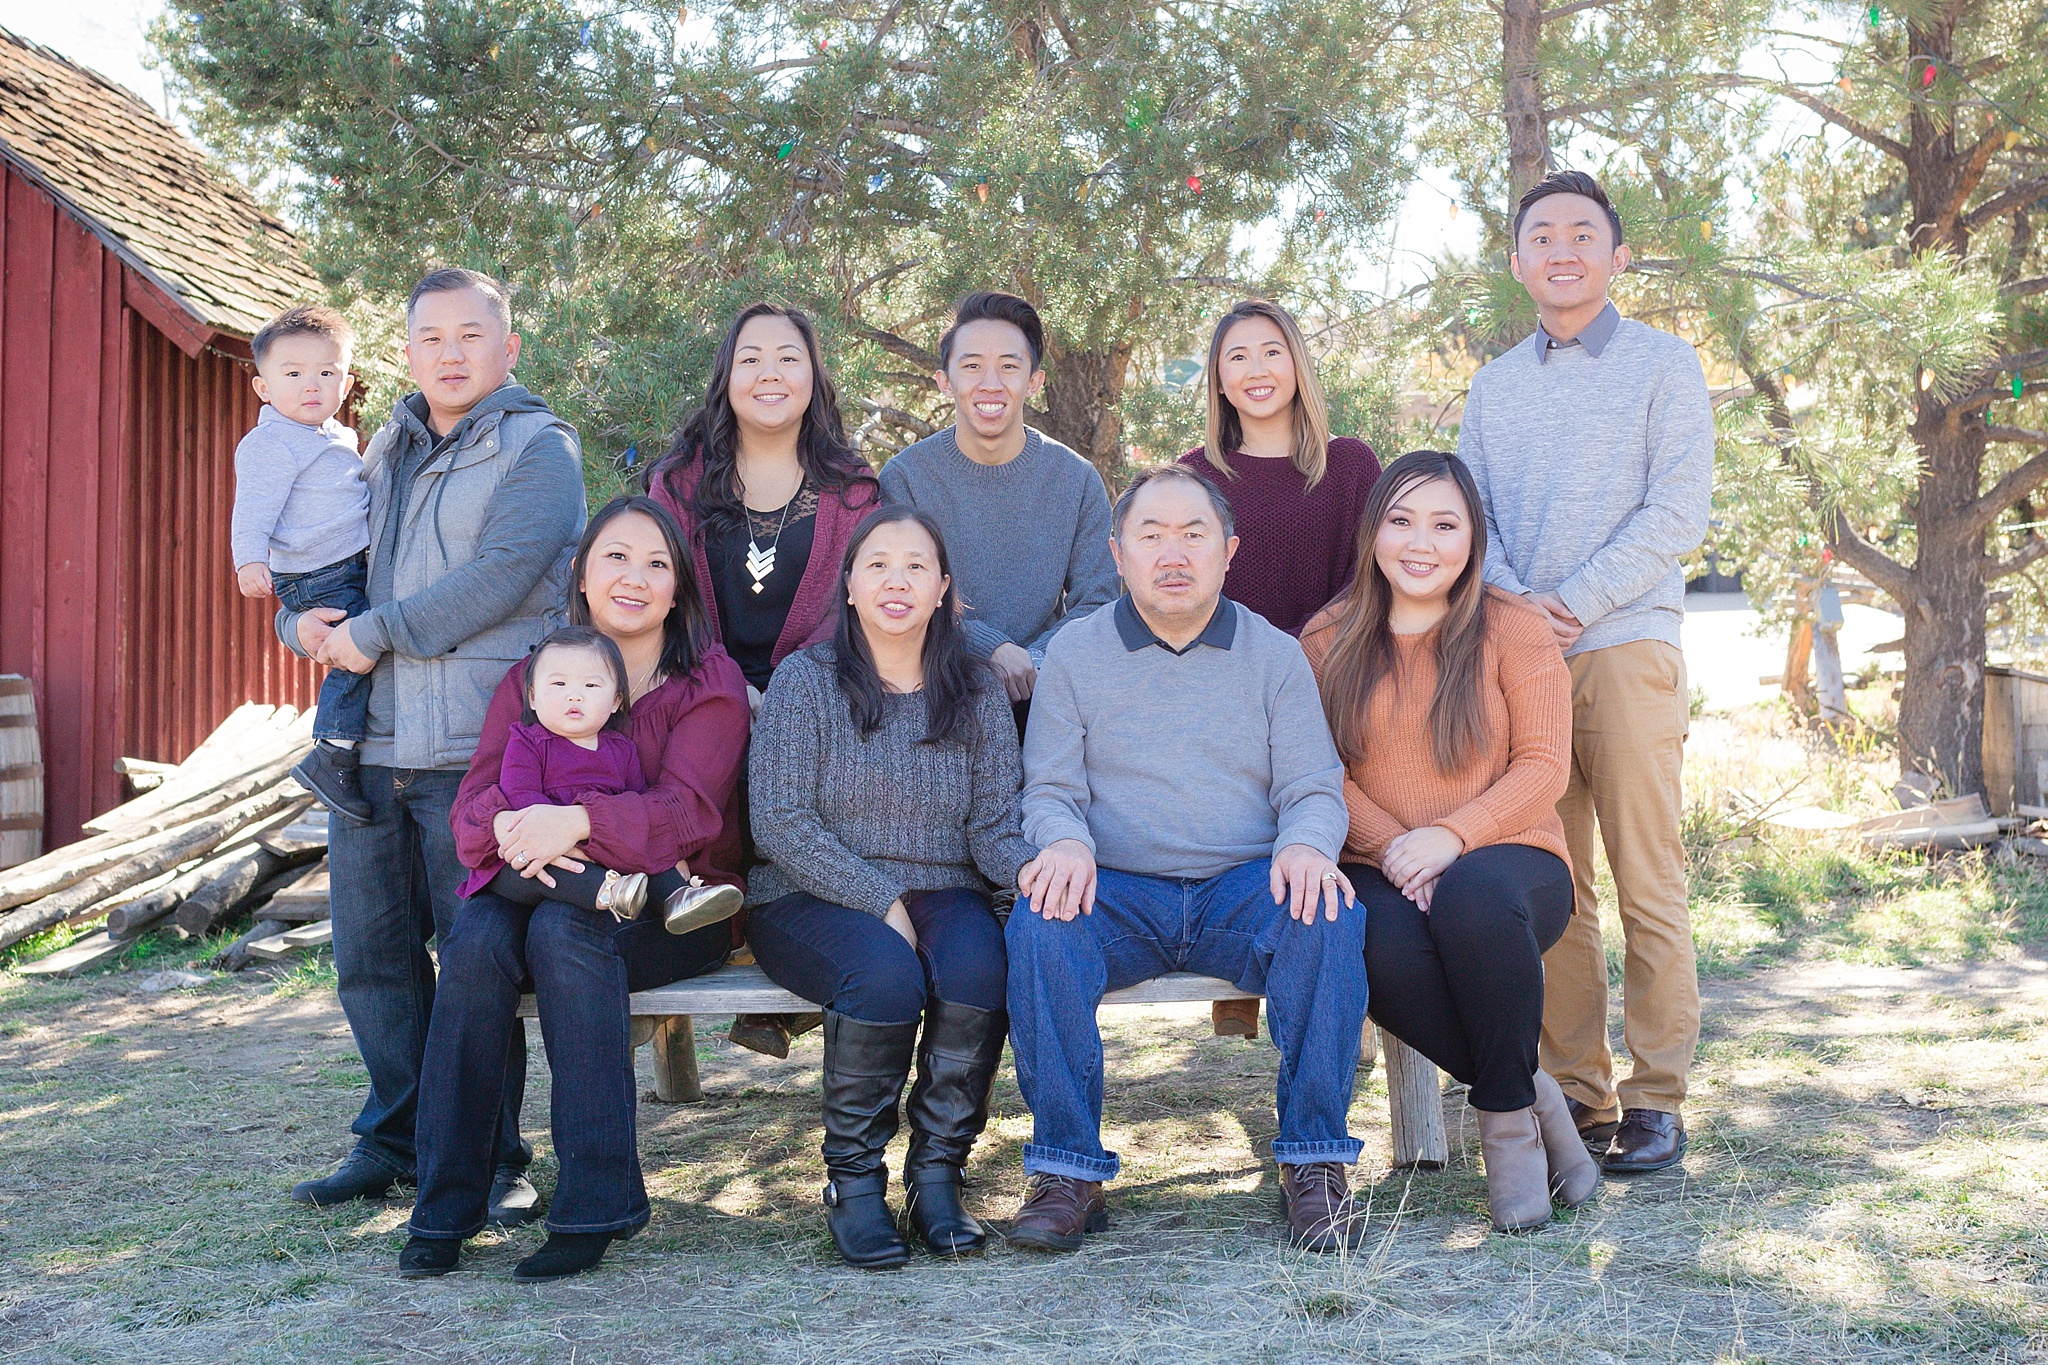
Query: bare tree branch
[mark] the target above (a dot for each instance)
(1573, 8)
(2014, 485)
(898, 346)
(1991, 393)
(2020, 289)
(2017, 435)
(1995, 569)
(2005, 201)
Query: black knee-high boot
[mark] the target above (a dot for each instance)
(865, 1068)
(956, 1066)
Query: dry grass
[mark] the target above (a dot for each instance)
(1865, 1180)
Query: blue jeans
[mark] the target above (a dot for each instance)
(394, 888)
(852, 963)
(344, 696)
(581, 965)
(1313, 978)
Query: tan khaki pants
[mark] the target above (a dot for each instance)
(1629, 710)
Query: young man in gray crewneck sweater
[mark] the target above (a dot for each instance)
(1593, 446)
(1026, 520)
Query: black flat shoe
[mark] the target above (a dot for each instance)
(358, 1177)
(426, 1257)
(333, 774)
(562, 1255)
(1648, 1140)
(514, 1200)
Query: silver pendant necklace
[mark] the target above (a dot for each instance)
(760, 562)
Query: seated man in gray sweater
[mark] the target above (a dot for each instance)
(1593, 445)
(1177, 744)
(1026, 520)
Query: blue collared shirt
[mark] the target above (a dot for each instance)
(1594, 337)
(1132, 630)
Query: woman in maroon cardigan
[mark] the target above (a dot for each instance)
(1295, 493)
(768, 490)
(632, 581)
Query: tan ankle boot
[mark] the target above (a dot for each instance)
(1517, 1176)
(1574, 1175)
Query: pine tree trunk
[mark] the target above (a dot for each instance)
(1082, 392)
(1941, 711)
(1522, 96)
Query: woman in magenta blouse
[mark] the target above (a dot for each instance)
(632, 579)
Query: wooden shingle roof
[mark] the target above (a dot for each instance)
(139, 185)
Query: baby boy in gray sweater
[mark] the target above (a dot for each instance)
(300, 526)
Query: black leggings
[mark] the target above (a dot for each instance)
(853, 963)
(1463, 984)
(653, 956)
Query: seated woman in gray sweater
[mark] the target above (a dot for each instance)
(884, 779)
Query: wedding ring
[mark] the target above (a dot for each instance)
(1329, 876)
(519, 860)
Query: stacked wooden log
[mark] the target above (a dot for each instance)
(215, 837)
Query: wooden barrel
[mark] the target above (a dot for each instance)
(21, 773)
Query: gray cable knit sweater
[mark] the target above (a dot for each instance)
(858, 822)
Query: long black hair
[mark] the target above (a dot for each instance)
(686, 630)
(829, 460)
(599, 643)
(953, 678)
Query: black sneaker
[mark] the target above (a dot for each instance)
(330, 772)
(426, 1257)
(514, 1200)
(358, 1177)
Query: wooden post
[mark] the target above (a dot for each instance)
(1829, 688)
(1415, 1104)
(1799, 651)
(675, 1060)
(1368, 1047)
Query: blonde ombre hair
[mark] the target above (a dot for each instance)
(1224, 431)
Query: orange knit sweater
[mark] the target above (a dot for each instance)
(1505, 795)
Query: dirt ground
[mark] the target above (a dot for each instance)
(1865, 1182)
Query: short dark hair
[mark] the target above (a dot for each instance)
(307, 320)
(591, 638)
(448, 279)
(1181, 472)
(1567, 182)
(992, 305)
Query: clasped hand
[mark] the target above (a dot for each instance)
(1415, 860)
(327, 640)
(531, 841)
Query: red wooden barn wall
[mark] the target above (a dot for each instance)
(116, 482)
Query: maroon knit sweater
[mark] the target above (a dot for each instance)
(1296, 550)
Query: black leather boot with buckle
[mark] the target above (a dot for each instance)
(865, 1068)
(948, 1108)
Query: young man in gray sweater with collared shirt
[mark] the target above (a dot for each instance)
(1593, 445)
(1026, 520)
(476, 502)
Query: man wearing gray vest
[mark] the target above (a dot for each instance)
(1593, 445)
(476, 503)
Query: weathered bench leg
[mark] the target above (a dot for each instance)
(675, 1060)
(1368, 1047)
(1415, 1104)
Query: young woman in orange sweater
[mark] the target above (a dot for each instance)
(1451, 707)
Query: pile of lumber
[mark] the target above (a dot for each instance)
(212, 839)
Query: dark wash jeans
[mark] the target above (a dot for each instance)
(581, 965)
(1312, 975)
(1463, 984)
(852, 963)
(394, 889)
(344, 696)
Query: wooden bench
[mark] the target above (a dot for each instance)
(665, 1016)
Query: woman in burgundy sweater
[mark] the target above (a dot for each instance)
(688, 724)
(1296, 494)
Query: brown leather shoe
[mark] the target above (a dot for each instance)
(1234, 1018)
(1058, 1213)
(1648, 1140)
(1595, 1133)
(1317, 1201)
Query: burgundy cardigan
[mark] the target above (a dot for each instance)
(814, 611)
(691, 735)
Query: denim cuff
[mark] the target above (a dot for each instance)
(630, 1224)
(1345, 1150)
(413, 1229)
(400, 1170)
(1054, 1161)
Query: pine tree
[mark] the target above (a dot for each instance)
(1132, 169)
